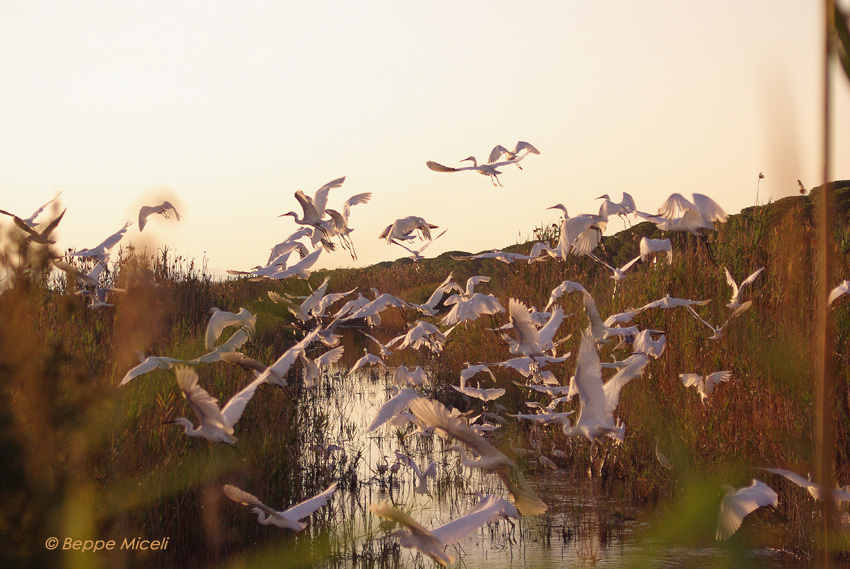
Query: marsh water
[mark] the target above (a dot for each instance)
(586, 525)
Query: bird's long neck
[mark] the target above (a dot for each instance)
(465, 460)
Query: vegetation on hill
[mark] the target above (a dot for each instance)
(80, 453)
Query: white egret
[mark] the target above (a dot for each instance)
(670, 302)
(717, 331)
(430, 471)
(705, 385)
(215, 424)
(433, 542)
(644, 344)
(233, 343)
(391, 408)
(422, 335)
(339, 221)
(677, 206)
(284, 519)
(313, 366)
(503, 256)
(491, 170)
(625, 207)
(30, 221)
(372, 310)
(653, 246)
(512, 155)
(478, 393)
(619, 274)
(469, 305)
(562, 289)
(276, 373)
(299, 270)
(813, 488)
(738, 504)
(101, 252)
(735, 301)
(416, 254)
(435, 414)
(221, 319)
(87, 278)
(241, 360)
(429, 307)
(472, 370)
(313, 208)
(531, 340)
(367, 360)
(595, 419)
(404, 377)
(148, 364)
(402, 229)
(161, 209)
(580, 234)
(42, 235)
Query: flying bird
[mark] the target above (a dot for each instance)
(705, 386)
(735, 301)
(738, 504)
(101, 251)
(161, 209)
(435, 414)
(215, 424)
(512, 155)
(284, 519)
(433, 542)
(222, 319)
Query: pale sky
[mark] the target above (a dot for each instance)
(227, 109)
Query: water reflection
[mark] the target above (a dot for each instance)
(583, 526)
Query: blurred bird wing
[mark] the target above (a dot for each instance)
(715, 378)
(522, 145)
(524, 326)
(709, 208)
(242, 497)
(691, 380)
(737, 505)
(330, 357)
(391, 408)
(435, 414)
(496, 153)
(486, 511)
(320, 198)
(675, 206)
(303, 509)
(613, 386)
(752, 277)
(588, 379)
(234, 408)
(628, 265)
(838, 291)
(204, 405)
(793, 477)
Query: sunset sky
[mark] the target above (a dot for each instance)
(227, 109)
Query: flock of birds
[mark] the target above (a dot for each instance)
(530, 336)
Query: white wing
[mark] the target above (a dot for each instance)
(202, 403)
(738, 505)
(234, 408)
(392, 407)
(303, 509)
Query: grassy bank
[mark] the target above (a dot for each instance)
(84, 458)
